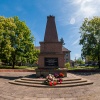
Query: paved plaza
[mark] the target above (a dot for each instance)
(15, 92)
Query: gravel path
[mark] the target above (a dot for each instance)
(15, 92)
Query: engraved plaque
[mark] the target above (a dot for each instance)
(51, 61)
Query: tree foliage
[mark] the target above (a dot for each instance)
(67, 65)
(62, 41)
(16, 42)
(90, 34)
(79, 61)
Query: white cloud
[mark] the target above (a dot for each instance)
(86, 8)
(76, 41)
(74, 11)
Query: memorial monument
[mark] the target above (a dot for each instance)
(51, 61)
(51, 58)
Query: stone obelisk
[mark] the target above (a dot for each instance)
(51, 57)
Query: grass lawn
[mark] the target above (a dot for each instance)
(17, 67)
(83, 68)
(33, 68)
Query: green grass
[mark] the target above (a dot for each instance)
(83, 68)
(17, 67)
(33, 68)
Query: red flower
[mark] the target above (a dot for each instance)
(59, 80)
(54, 83)
(61, 75)
(50, 83)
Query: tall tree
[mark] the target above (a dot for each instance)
(62, 41)
(79, 61)
(7, 27)
(90, 38)
(16, 42)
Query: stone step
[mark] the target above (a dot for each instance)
(46, 86)
(40, 82)
(33, 79)
(75, 81)
(28, 81)
(42, 79)
(72, 79)
(27, 84)
(75, 84)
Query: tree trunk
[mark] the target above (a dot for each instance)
(99, 55)
(99, 61)
(13, 65)
(99, 64)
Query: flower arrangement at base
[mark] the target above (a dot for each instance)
(59, 80)
(50, 80)
(61, 75)
(53, 80)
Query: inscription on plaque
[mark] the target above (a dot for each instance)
(51, 61)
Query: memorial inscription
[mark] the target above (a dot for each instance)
(51, 61)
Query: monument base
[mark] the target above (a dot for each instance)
(43, 72)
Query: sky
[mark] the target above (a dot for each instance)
(69, 15)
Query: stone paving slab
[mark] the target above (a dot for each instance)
(15, 92)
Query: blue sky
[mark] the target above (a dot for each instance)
(69, 15)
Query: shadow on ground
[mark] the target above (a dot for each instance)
(85, 73)
(13, 77)
(10, 78)
(34, 75)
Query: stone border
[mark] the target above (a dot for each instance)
(94, 70)
(16, 70)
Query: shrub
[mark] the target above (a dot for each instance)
(67, 64)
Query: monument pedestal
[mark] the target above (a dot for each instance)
(43, 72)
